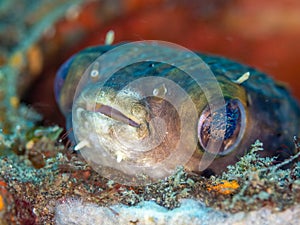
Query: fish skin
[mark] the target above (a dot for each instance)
(272, 114)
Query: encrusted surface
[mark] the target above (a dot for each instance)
(37, 193)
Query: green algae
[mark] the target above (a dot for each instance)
(20, 28)
(64, 176)
(262, 181)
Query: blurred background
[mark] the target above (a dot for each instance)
(263, 34)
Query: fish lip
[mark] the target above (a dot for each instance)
(115, 114)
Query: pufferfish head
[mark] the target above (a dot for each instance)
(119, 126)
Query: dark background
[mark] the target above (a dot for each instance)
(263, 34)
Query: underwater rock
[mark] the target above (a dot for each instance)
(146, 213)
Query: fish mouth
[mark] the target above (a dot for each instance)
(115, 114)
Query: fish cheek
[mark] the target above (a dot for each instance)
(166, 112)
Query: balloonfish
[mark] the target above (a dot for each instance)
(150, 116)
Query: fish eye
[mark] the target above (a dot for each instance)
(61, 76)
(233, 127)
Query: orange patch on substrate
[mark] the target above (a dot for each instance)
(3, 193)
(2, 189)
(225, 187)
(1, 203)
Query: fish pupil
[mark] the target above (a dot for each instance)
(232, 115)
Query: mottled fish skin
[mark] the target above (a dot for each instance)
(272, 114)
